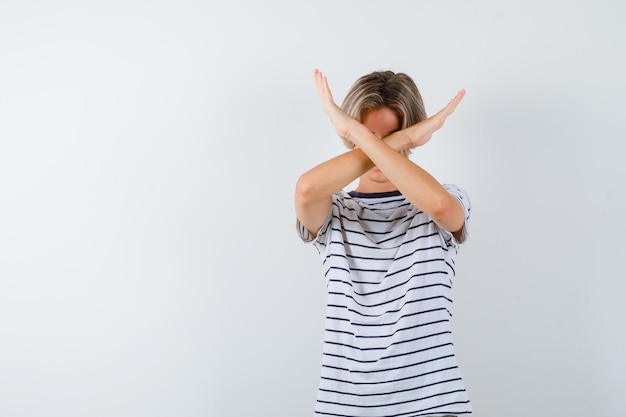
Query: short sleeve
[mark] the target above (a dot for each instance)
(306, 236)
(461, 195)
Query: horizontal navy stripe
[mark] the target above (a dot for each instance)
(363, 220)
(420, 287)
(384, 302)
(439, 394)
(377, 248)
(387, 258)
(424, 261)
(422, 412)
(388, 356)
(378, 259)
(408, 255)
(395, 368)
(408, 241)
(444, 381)
(423, 274)
(359, 245)
(421, 262)
(391, 323)
(407, 303)
(402, 329)
(396, 235)
(366, 232)
(338, 268)
(412, 340)
(436, 371)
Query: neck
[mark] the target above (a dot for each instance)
(368, 186)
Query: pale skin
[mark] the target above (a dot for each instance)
(378, 164)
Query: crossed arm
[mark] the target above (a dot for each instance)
(314, 189)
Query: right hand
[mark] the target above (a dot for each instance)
(421, 132)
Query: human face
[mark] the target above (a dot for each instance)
(381, 122)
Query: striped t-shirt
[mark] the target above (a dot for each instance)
(388, 347)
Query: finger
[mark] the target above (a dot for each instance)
(451, 106)
(323, 89)
(329, 95)
(456, 100)
(319, 83)
(317, 75)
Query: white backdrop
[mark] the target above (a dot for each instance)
(149, 264)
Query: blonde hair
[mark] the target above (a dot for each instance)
(379, 89)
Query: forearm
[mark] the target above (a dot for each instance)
(333, 175)
(399, 140)
(415, 183)
(314, 189)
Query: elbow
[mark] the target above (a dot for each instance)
(441, 207)
(304, 190)
(447, 212)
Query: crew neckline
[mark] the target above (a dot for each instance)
(382, 194)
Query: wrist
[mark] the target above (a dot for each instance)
(353, 130)
(399, 140)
